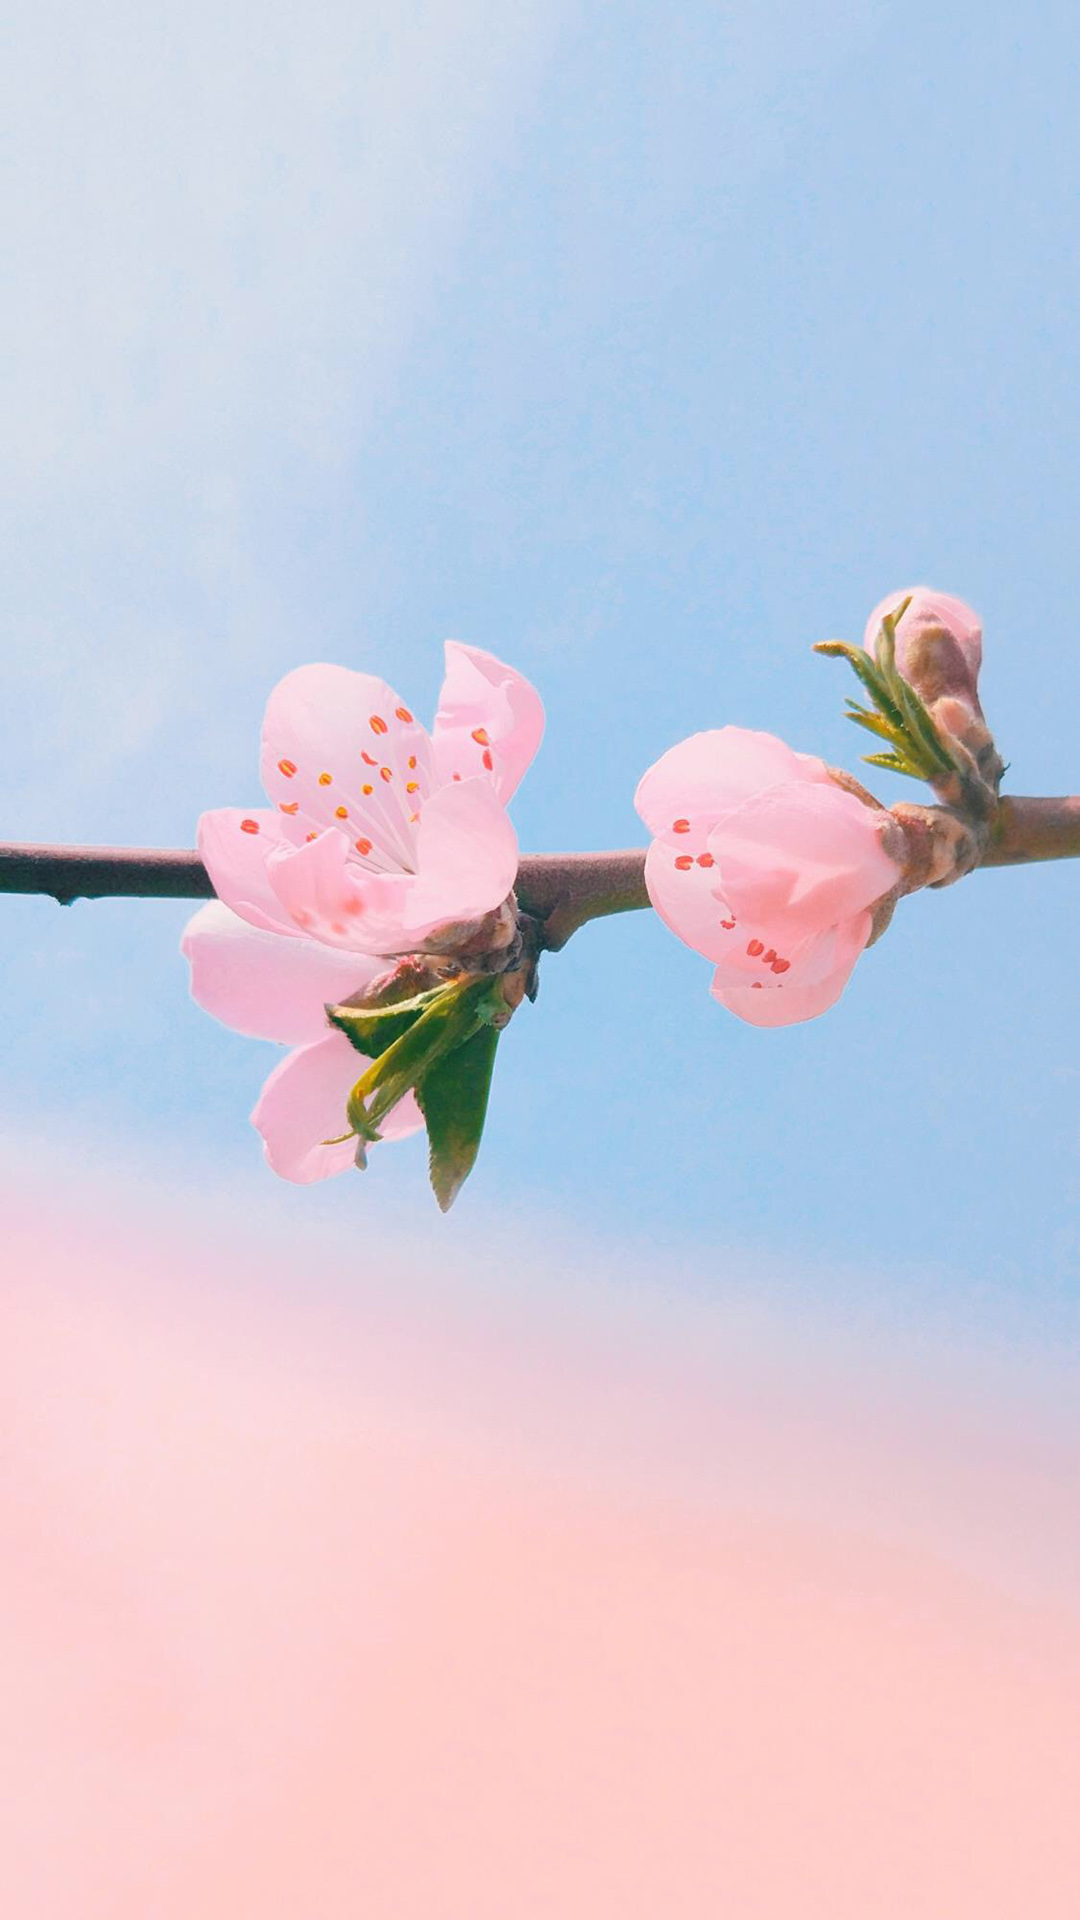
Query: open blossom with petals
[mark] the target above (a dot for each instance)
(765, 865)
(381, 839)
(379, 834)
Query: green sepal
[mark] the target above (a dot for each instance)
(453, 1096)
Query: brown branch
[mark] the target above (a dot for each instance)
(562, 890)
(1029, 830)
(103, 873)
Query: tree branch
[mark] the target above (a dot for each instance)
(1028, 830)
(561, 890)
(102, 873)
(564, 890)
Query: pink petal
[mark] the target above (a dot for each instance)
(817, 975)
(929, 608)
(341, 749)
(686, 893)
(938, 644)
(317, 888)
(712, 771)
(798, 858)
(266, 984)
(467, 855)
(302, 1105)
(490, 719)
(402, 1120)
(235, 844)
(328, 895)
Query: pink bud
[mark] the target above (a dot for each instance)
(938, 644)
(939, 653)
(768, 866)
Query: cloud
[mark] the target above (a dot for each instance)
(225, 225)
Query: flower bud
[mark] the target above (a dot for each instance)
(770, 865)
(939, 653)
(938, 644)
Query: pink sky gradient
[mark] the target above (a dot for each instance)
(324, 1602)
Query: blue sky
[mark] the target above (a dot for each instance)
(644, 350)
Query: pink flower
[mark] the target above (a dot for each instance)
(379, 833)
(766, 866)
(938, 644)
(382, 840)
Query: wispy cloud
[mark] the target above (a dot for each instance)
(225, 225)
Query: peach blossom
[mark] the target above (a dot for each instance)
(765, 865)
(381, 836)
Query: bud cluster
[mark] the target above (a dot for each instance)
(920, 666)
(939, 654)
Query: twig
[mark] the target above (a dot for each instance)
(561, 890)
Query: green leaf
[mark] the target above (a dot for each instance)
(372, 1029)
(894, 764)
(453, 1095)
(885, 645)
(922, 733)
(874, 723)
(901, 720)
(910, 754)
(450, 1017)
(869, 673)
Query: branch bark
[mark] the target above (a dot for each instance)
(563, 891)
(1028, 830)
